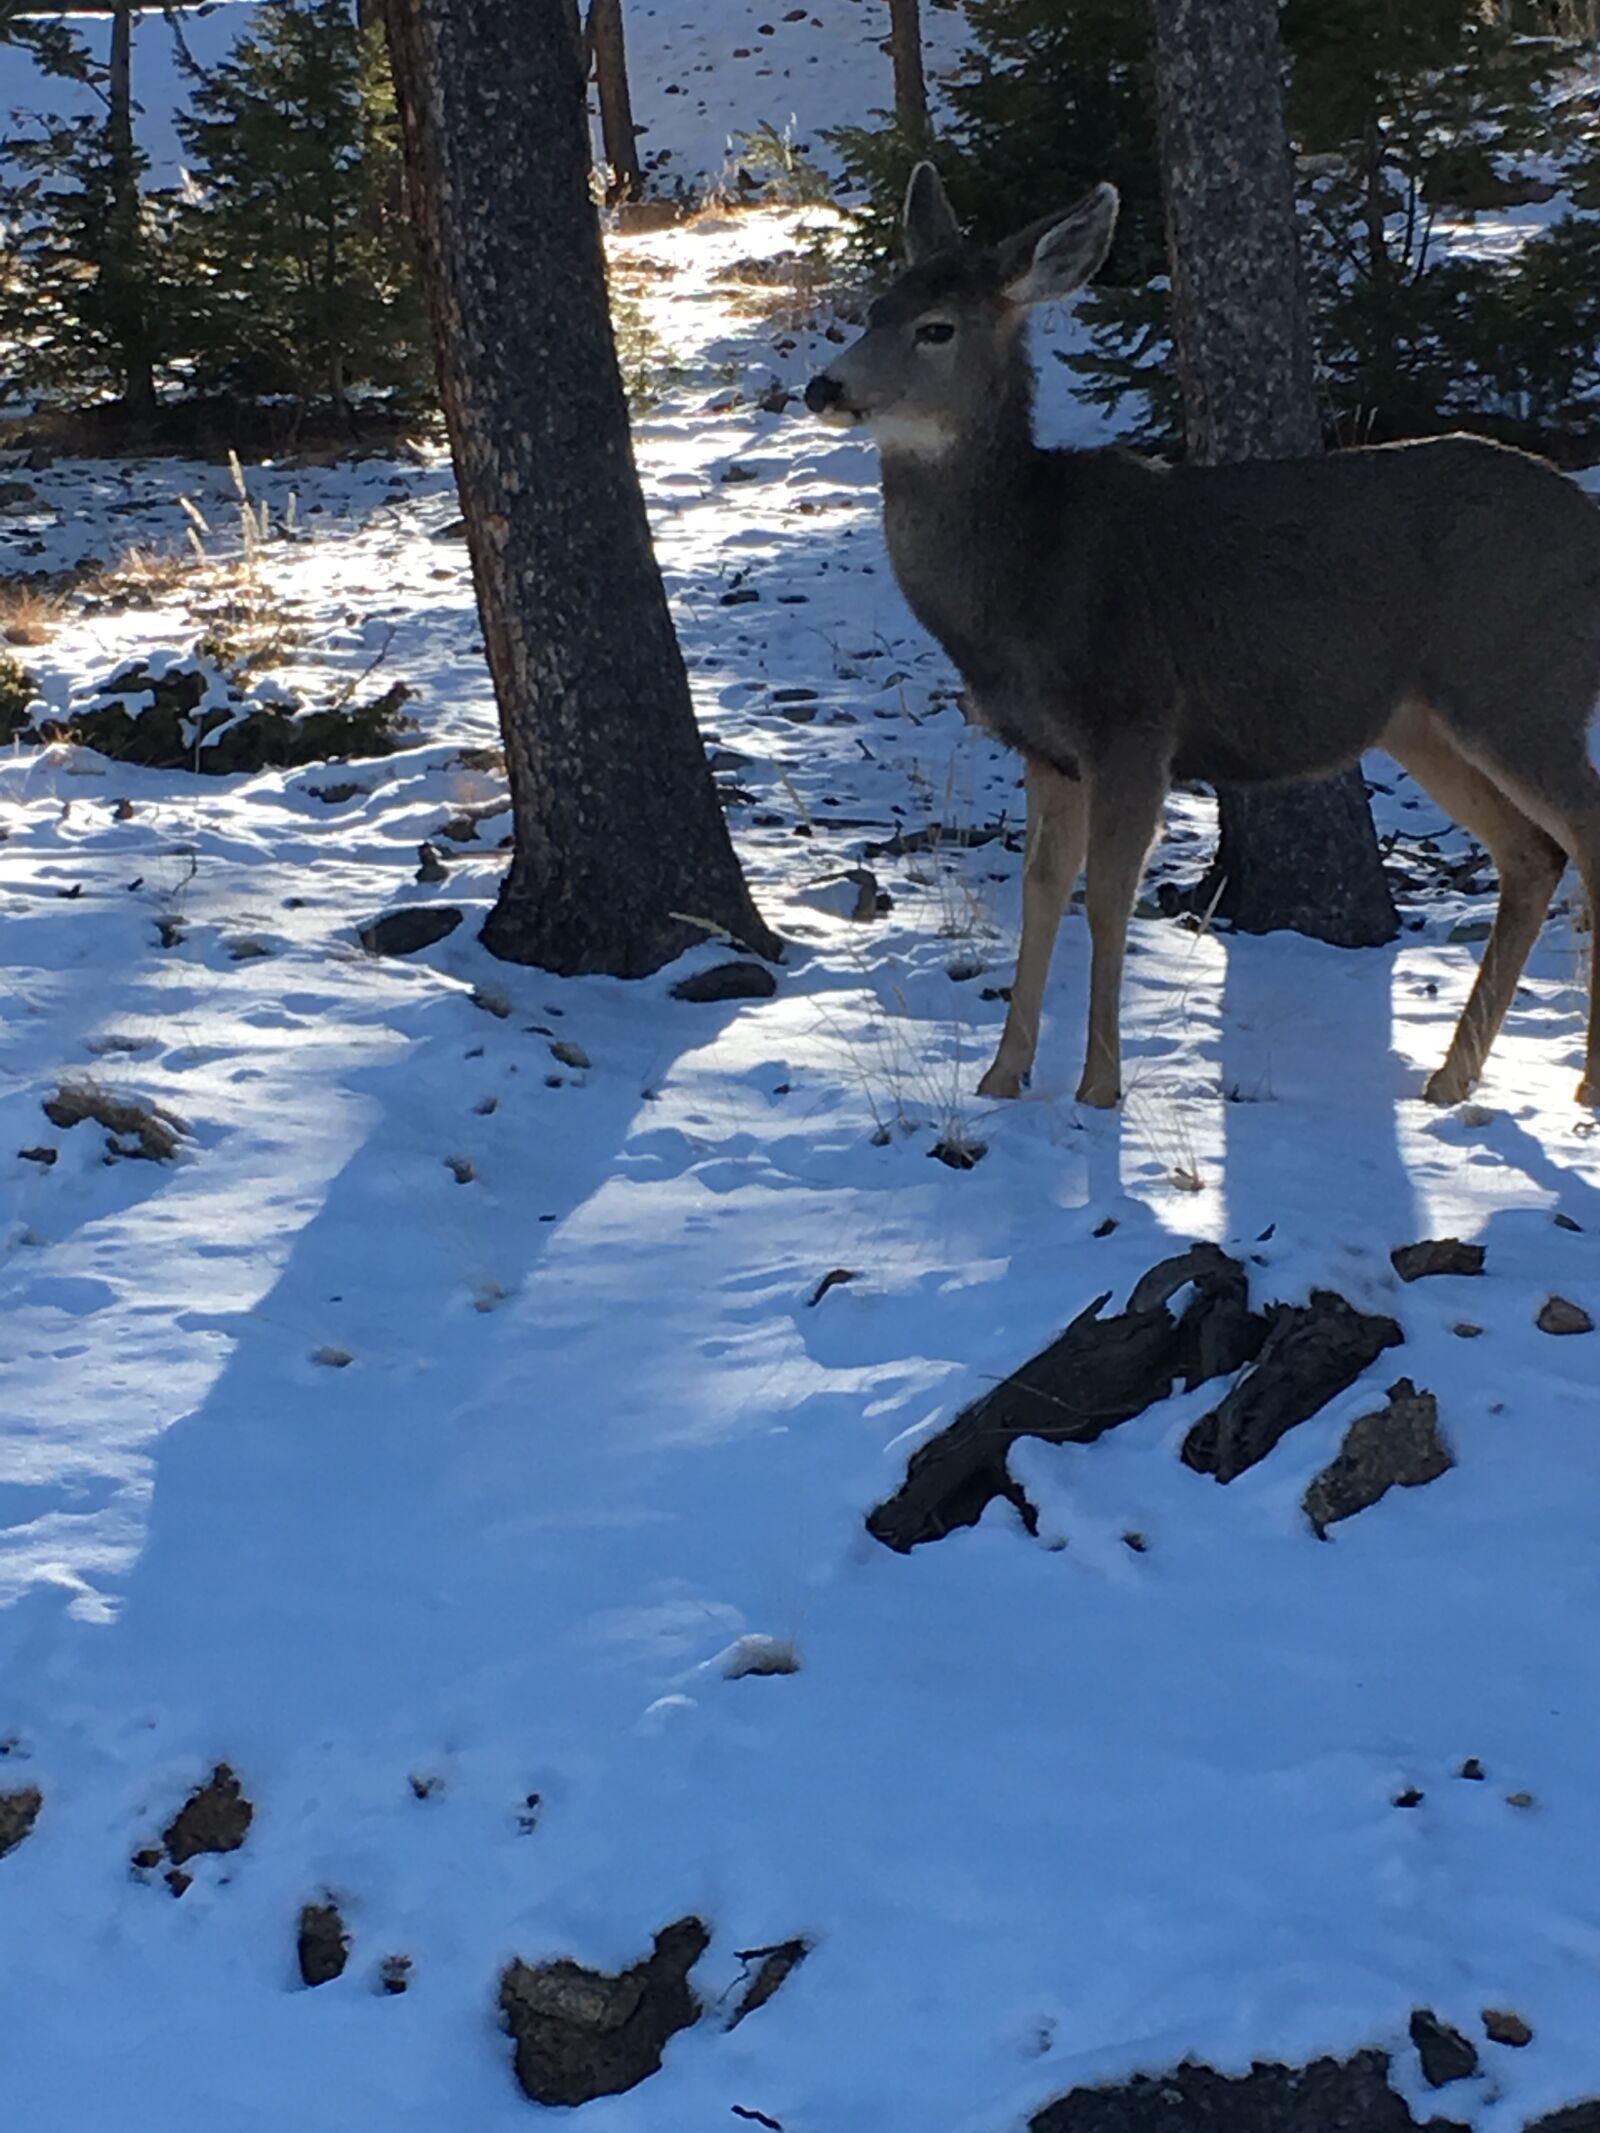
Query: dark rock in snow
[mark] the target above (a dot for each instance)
(581, 2034)
(1398, 1446)
(1445, 2053)
(410, 928)
(19, 1810)
(1436, 1255)
(727, 981)
(1558, 1314)
(1328, 2096)
(1312, 1351)
(213, 1819)
(323, 1944)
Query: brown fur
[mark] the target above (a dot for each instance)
(1127, 624)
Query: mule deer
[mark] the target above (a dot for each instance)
(1123, 624)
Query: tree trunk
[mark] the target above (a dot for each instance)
(121, 270)
(604, 37)
(621, 845)
(910, 83)
(1302, 856)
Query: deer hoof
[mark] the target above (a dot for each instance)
(1002, 1080)
(1103, 1095)
(1589, 1089)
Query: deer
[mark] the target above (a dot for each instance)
(1124, 624)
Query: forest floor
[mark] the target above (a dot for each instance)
(455, 1435)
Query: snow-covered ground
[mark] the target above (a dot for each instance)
(411, 1498)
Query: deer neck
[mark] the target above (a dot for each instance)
(959, 528)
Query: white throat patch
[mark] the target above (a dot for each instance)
(913, 436)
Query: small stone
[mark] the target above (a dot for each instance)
(425, 1785)
(1502, 2026)
(1558, 1314)
(1446, 2055)
(394, 1974)
(1523, 1800)
(430, 863)
(1475, 1115)
(1136, 1542)
(322, 1944)
(1436, 1255)
(1465, 1330)
(148, 1857)
(491, 1002)
(959, 1154)
(727, 981)
(410, 928)
(214, 1818)
(1469, 929)
(461, 1168)
(1104, 1229)
(794, 696)
(19, 1810)
(332, 1358)
(570, 1055)
(177, 1880)
(761, 1656)
(741, 596)
(44, 1157)
(1409, 1798)
(1566, 1222)
(1472, 1769)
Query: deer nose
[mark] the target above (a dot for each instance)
(823, 392)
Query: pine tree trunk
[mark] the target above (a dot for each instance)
(910, 82)
(1302, 856)
(620, 841)
(121, 271)
(604, 36)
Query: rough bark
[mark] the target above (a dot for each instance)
(121, 275)
(910, 82)
(1301, 856)
(620, 843)
(1100, 1372)
(603, 36)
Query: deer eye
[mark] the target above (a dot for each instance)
(934, 332)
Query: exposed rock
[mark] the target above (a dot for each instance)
(1098, 1373)
(1558, 1314)
(959, 1154)
(1399, 1446)
(213, 1819)
(1328, 2096)
(581, 2034)
(1445, 2053)
(728, 981)
(1436, 1255)
(19, 1810)
(1502, 2026)
(323, 1944)
(410, 928)
(135, 1127)
(1576, 2118)
(1312, 1351)
(394, 1975)
(570, 1054)
(776, 1964)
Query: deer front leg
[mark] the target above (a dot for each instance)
(1058, 826)
(1124, 813)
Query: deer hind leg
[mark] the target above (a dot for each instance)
(1124, 814)
(1058, 829)
(1560, 791)
(1528, 860)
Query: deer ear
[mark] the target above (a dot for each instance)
(1051, 258)
(930, 226)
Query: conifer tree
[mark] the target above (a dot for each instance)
(301, 268)
(83, 266)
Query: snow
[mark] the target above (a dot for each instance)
(580, 1445)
